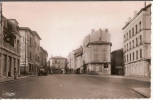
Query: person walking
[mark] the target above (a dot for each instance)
(15, 72)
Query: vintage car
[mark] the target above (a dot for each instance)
(42, 71)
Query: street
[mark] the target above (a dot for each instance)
(72, 86)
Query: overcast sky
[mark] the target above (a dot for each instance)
(63, 25)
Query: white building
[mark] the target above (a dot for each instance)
(96, 52)
(137, 43)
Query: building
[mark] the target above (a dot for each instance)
(137, 43)
(9, 47)
(58, 64)
(117, 62)
(78, 60)
(30, 48)
(96, 52)
(43, 59)
(71, 62)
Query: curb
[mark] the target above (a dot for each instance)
(16, 79)
(141, 93)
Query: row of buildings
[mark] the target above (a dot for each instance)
(95, 55)
(19, 48)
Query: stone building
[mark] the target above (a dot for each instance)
(9, 48)
(58, 64)
(30, 48)
(43, 57)
(117, 62)
(71, 62)
(78, 67)
(96, 52)
(137, 43)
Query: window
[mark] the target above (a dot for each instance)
(130, 56)
(140, 26)
(130, 34)
(30, 42)
(127, 58)
(132, 31)
(127, 46)
(124, 38)
(18, 46)
(140, 39)
(140, 53)
(136, 42)
(38, 58)
(133, 55)
(136, 54)
(136, 29)
(133, 43)
(30, 56)
(105, 65)
(130, 45)
(127, 35)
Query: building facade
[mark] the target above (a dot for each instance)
(117, 62)
(9, 48)
(30, 42)
(78, 60)
(137, 43)
(58, 64)
(96, 52)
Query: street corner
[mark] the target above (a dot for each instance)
(143, 91)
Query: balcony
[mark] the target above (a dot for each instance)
(8, 46)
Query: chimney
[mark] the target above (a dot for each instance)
(106, 30)
(92, 30)
(135, 13)
(145, 4)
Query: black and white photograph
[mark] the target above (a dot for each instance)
(75, 49)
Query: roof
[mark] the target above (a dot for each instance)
(99, 43)
(36, 34)
(26, 28)
(117, 50)
(59, 57)
(143, 9)
(15, 20)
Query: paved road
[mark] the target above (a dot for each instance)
(71, 87)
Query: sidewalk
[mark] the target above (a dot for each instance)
(146, 92)
(140, 78)
(2, 80)
(143, 91)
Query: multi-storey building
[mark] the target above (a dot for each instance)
(43, 57)
(117, 62)
(9, 48)
(71, 62)
(29, 51)
(137, 43)
(96, 52)
(78, 60)
(58, 64)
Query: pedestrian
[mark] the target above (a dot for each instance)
(15, 72)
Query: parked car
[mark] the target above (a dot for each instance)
(42, 71)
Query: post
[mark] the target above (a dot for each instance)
(25, 55)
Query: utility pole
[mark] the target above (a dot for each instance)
(25, 55)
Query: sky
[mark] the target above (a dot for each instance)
(63, 26)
